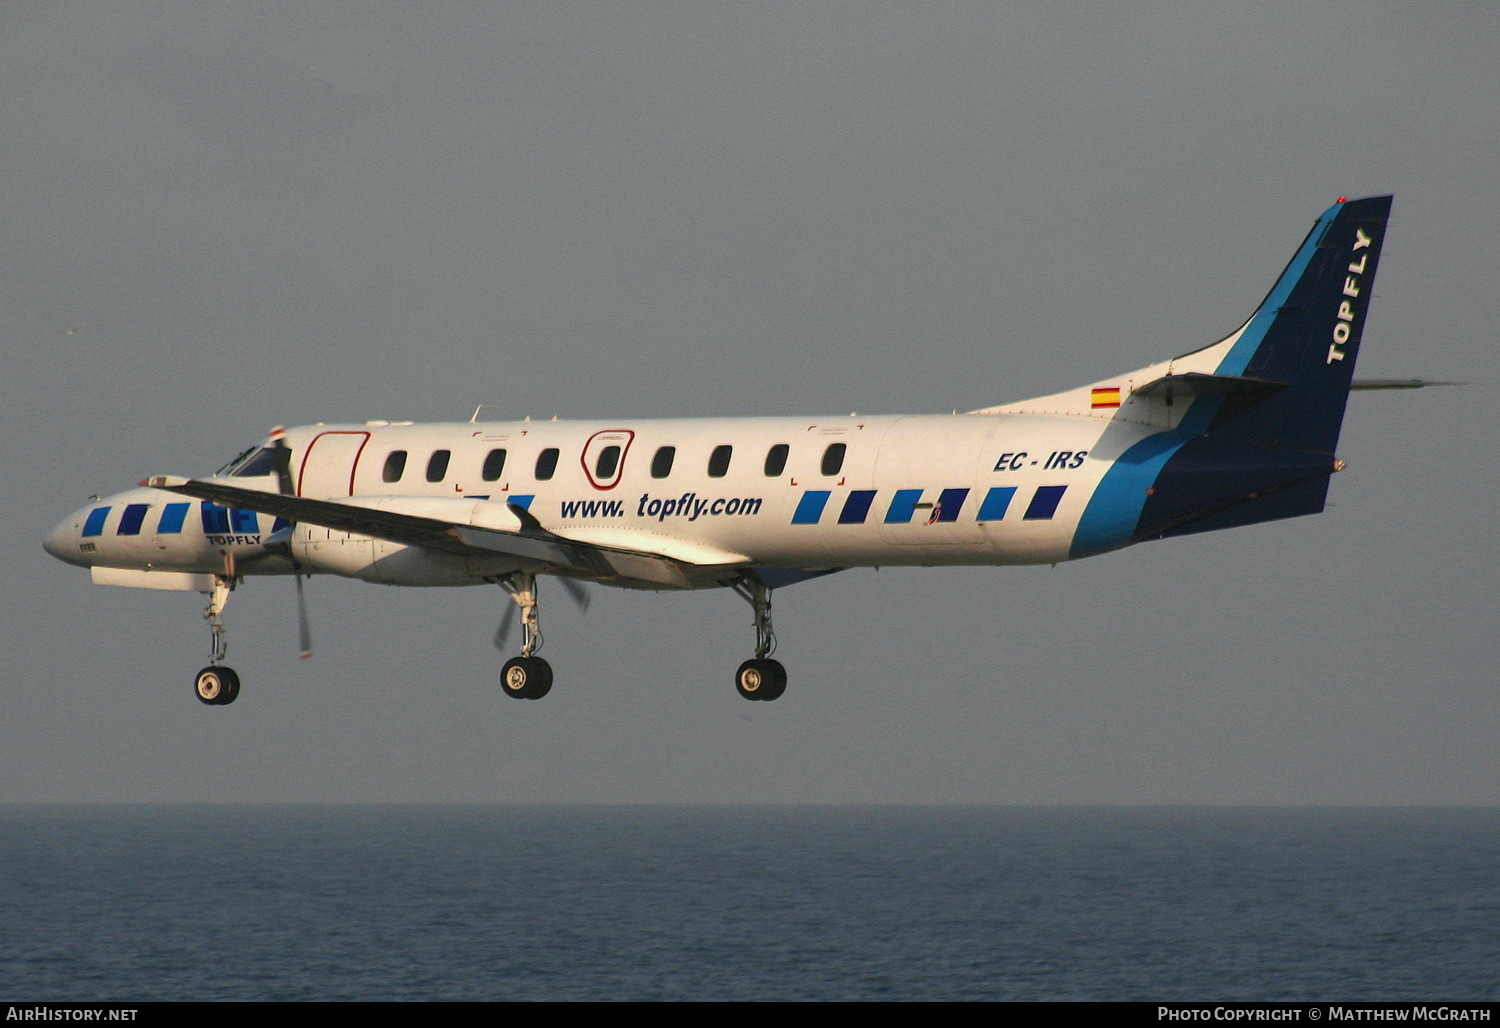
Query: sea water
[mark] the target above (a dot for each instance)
(140, 903)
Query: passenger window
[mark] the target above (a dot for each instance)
(494, 465)
(546, 464)
(437, 465)
(776, 460)
(609, 460)
(395, 466)
(833, 458)
(661, 464)
(718, 461)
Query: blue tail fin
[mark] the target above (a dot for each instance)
(1265, 405)
(1306, 334)
(1260, 456)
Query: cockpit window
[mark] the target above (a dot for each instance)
(262, 462)
(238, 458)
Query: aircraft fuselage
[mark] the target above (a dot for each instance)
(787, 492)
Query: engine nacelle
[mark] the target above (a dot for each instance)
(390, 563)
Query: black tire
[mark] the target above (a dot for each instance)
(232, 686)
(526, 678)
(760, 679)
(216, 686)
(541, 678)
(776, 684)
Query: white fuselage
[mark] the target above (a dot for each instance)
(902, 490)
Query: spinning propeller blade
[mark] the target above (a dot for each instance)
(576, 592)
(304, 627)
(285, 484)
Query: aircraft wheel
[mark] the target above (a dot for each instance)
(216, 686)
(761, 679)
(526, 678)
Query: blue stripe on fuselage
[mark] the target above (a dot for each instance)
(996, 503)
(856, 507)
(94, 524)
(132, 519)
(172, 517)
(950, 503)
(1044, 502)
(903, 506)
(1113, 511)
(810, 507)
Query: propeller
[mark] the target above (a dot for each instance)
(304, 627)
(576, 591)
(285, 484)
(502, 631)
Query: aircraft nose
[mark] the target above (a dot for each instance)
(62, 541)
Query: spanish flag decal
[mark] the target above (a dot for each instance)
(1109, 397)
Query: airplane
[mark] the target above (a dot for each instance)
(1236, 433)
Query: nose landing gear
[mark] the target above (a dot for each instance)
(527, 677)
(216, 685)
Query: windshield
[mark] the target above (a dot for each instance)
(262, 462)
(237, 459)
(257, 460)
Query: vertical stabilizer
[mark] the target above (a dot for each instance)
(1306, 335)
(1257, 414)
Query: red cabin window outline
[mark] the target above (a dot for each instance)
(603, 456)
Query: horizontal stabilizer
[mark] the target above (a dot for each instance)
(1196, 383)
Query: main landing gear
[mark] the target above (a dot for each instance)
(760, 678)
(527, 677)
(217, 685)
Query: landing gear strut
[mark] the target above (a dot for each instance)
(217, 685)
(527, 677)
(760, 678)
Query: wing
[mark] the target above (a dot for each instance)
(532, 543)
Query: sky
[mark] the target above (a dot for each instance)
(218, 217)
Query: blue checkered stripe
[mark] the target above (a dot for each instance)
(216, 520)
(904, 506)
